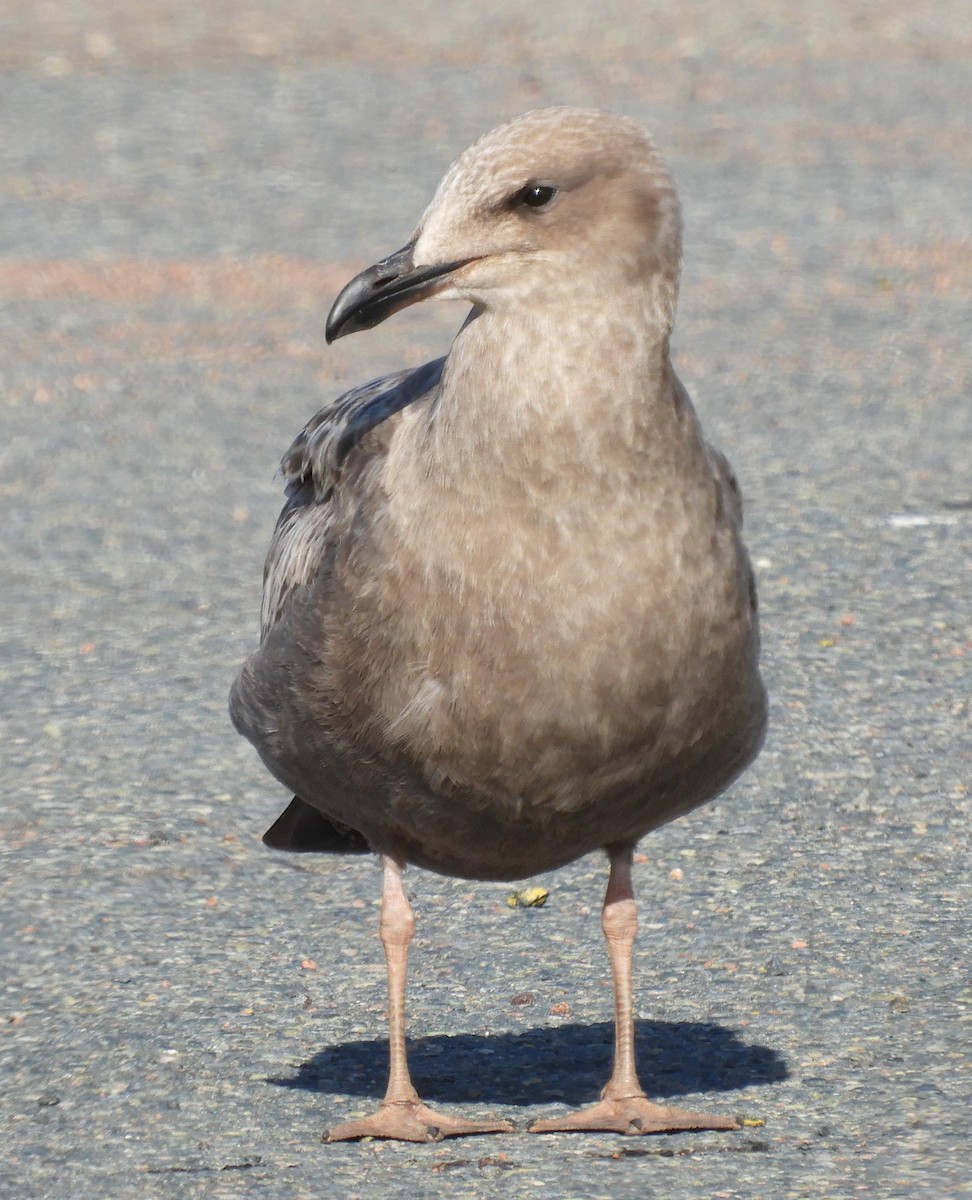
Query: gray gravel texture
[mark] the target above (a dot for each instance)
(184, 187)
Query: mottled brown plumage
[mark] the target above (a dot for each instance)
(508, 617)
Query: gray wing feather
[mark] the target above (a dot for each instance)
(726, 479)
(312, 469)
(297, 549)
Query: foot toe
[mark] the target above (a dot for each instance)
(631, 1115)
(412, 1122)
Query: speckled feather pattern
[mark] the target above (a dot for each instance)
(515, 621)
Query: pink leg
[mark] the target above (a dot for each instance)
(624, 1107)
(401, 1114)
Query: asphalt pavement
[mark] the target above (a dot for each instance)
(183, 189)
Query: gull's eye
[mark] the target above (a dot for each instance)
(535, 195)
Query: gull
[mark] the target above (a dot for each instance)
(508, 617)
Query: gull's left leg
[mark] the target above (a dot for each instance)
(624, 1107)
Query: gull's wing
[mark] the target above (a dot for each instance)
(318, 463)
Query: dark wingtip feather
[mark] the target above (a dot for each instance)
(303, 829)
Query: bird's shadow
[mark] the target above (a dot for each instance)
(568, 1064)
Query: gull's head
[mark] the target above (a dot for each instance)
(555, 205)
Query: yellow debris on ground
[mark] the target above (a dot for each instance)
(535, 897)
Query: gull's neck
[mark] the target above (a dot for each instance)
(550, 400)
(548, 440)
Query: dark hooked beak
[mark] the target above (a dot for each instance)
(383, 289)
